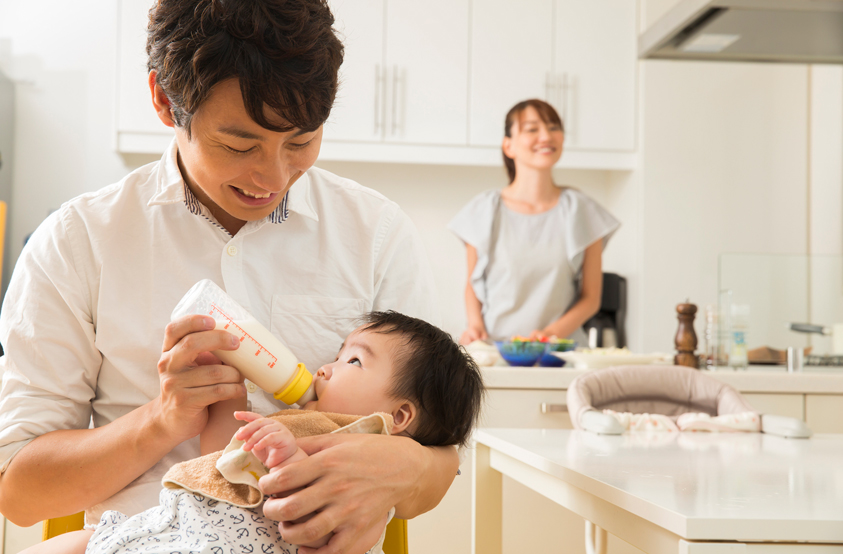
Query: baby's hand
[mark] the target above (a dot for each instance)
(270, 440)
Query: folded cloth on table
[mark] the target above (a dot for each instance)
(644, 422)
(747, 422)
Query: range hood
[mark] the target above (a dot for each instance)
(792, 31)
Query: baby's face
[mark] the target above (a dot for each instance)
(358, 382)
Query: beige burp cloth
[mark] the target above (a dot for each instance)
(232, 475)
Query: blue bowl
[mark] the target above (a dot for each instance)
(563, 345)
(521, 353)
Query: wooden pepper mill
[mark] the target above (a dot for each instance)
(686, 338)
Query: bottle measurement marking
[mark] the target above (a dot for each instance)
(243, 335)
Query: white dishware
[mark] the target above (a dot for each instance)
(599, 360)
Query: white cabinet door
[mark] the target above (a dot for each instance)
(138, 128)
(511, 60)
(596, 73)
(427, 62)
(358, 112)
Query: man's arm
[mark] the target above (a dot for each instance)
(354, 480)
(66, 471)
(221, 425)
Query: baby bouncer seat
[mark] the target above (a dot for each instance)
(665, 390)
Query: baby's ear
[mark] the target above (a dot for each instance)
(402, 416)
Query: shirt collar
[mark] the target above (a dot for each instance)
(170, 188)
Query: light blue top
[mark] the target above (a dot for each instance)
(528, 264)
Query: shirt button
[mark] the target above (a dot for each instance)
(232, 250)
(251, 387)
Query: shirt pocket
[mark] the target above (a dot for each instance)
(314, 327)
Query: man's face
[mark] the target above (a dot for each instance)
(358, 381)
(238, 169)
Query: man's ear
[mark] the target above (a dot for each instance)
(402, 417)
(160, 102)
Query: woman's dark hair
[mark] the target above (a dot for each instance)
(283, 52)
(434, 373)
(547, 114)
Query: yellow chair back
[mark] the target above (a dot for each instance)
(394, 543)
(60, 525)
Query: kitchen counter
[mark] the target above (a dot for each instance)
(756, 379)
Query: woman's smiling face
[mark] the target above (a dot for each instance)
(237, 168)
(534, 142)
(358, 382)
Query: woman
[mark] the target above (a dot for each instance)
(530, 244)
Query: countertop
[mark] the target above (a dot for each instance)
(758, 379)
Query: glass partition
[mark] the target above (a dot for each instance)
(769, 292)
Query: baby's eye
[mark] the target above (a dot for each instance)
(355, 361)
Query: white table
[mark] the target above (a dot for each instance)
(687, 493)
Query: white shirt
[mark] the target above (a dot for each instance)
(83, 319)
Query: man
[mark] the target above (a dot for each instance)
(247, 86)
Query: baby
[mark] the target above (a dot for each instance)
(392, 363)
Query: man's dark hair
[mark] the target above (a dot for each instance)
(284, 53)
(434, 373)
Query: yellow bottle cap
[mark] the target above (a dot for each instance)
(296, 387)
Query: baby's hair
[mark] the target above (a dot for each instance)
(434, 373)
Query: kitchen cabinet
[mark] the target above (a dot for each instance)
(431, 82)
(511, 60)
(138, 128)
(595, 73)
(824, 413)
(358, 109)
(405, 76)
(579, 55)
(790, 405)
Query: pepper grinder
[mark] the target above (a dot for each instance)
(686, 338)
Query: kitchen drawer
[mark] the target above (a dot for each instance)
(790, 405)
(522, 408)
(824, 413)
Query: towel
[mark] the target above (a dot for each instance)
(232, 475)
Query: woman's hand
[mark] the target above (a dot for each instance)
(350, 481)
(192, 378)
(473, 333)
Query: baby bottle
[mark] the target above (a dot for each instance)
(261, 358)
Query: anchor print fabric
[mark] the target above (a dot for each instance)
(189, 523)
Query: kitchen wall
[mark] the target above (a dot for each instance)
(724, 165)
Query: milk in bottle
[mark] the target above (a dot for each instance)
(261, 357)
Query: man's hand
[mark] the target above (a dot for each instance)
(350, 481)
(192, 378)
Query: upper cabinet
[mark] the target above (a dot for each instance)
(595, 73)
(511, 60)
(431, 82)
(404, 77)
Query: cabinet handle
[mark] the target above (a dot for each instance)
(551, 408)
(564, 99)
(547, 87)
(565, 89)
(394, 99)
(377, 96)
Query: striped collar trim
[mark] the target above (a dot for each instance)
(278, 215)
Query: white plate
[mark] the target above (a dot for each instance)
(587, 360)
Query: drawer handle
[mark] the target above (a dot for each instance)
(551, 408)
